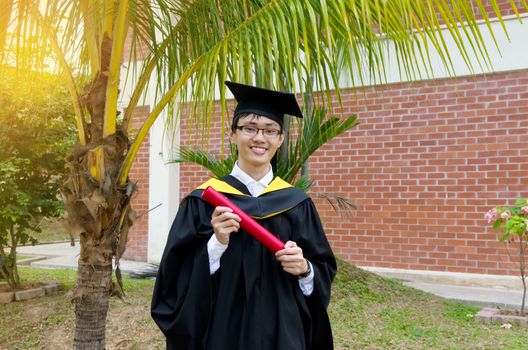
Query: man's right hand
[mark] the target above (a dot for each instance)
(224, 222)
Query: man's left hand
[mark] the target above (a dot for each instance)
(292, 259)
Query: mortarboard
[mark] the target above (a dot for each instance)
(269, 103)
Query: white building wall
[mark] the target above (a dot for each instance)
(163, 177)
(508, 55)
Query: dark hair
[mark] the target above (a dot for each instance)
(237, 117)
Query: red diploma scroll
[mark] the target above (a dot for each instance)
(247, 223)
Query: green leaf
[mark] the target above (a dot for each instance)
(521, 202)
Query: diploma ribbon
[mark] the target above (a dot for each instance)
(249, 225)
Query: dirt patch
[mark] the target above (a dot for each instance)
(40, 311)
(49, 323)
(58, 338)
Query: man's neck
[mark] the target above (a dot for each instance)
(255, 173)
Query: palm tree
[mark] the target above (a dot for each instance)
(190, 48)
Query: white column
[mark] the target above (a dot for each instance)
(164, 183)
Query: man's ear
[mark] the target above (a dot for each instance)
(282, 137)
(229, 133)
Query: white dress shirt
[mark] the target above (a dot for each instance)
(215, 249)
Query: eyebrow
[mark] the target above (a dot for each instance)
(267, 124)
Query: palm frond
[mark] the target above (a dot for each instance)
(220, 167)
(303, 183)
(315, 130)
(195, 45)
(277, 44)
(340, 204)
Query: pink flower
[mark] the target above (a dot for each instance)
(505, 214)
(524, 210)
(491, 215)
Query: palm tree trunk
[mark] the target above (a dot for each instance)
(98, 209)
(91, 308)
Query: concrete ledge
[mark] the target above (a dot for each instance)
(6, 297)
(40, 290)
(493, 315)
(51, 288)
(485, 314)
(29, 294)
(453, 278)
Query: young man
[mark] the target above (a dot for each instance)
(218, 288)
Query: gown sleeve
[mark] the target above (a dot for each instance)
(181, 301)
(310, 236)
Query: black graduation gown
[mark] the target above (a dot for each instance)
(250, 303)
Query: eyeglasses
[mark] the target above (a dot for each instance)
(253, 131)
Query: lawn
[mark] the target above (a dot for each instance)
(366, 311)
(51, 231)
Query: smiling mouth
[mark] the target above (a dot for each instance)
(258, 150)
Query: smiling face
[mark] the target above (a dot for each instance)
(256, 151)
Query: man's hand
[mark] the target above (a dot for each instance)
(224, 222)
(292, 259)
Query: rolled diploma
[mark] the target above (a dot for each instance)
(249, 225)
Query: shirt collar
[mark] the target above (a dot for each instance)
(247, 180)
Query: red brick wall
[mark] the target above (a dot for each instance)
(138, 235)
(504, 6)
(425, 164)
(140, 52)
(192, 175)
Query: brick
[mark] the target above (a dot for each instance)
(6, 297)
(51, 288)
(493, 315)
(4, 287)
(486, 314)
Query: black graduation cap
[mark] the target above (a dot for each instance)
(269, 103)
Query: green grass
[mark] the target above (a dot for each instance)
(366, 311)
(371, 312)
(66, 277)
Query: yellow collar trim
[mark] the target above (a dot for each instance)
(275, 185)
(271, 214)
(220, 186)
